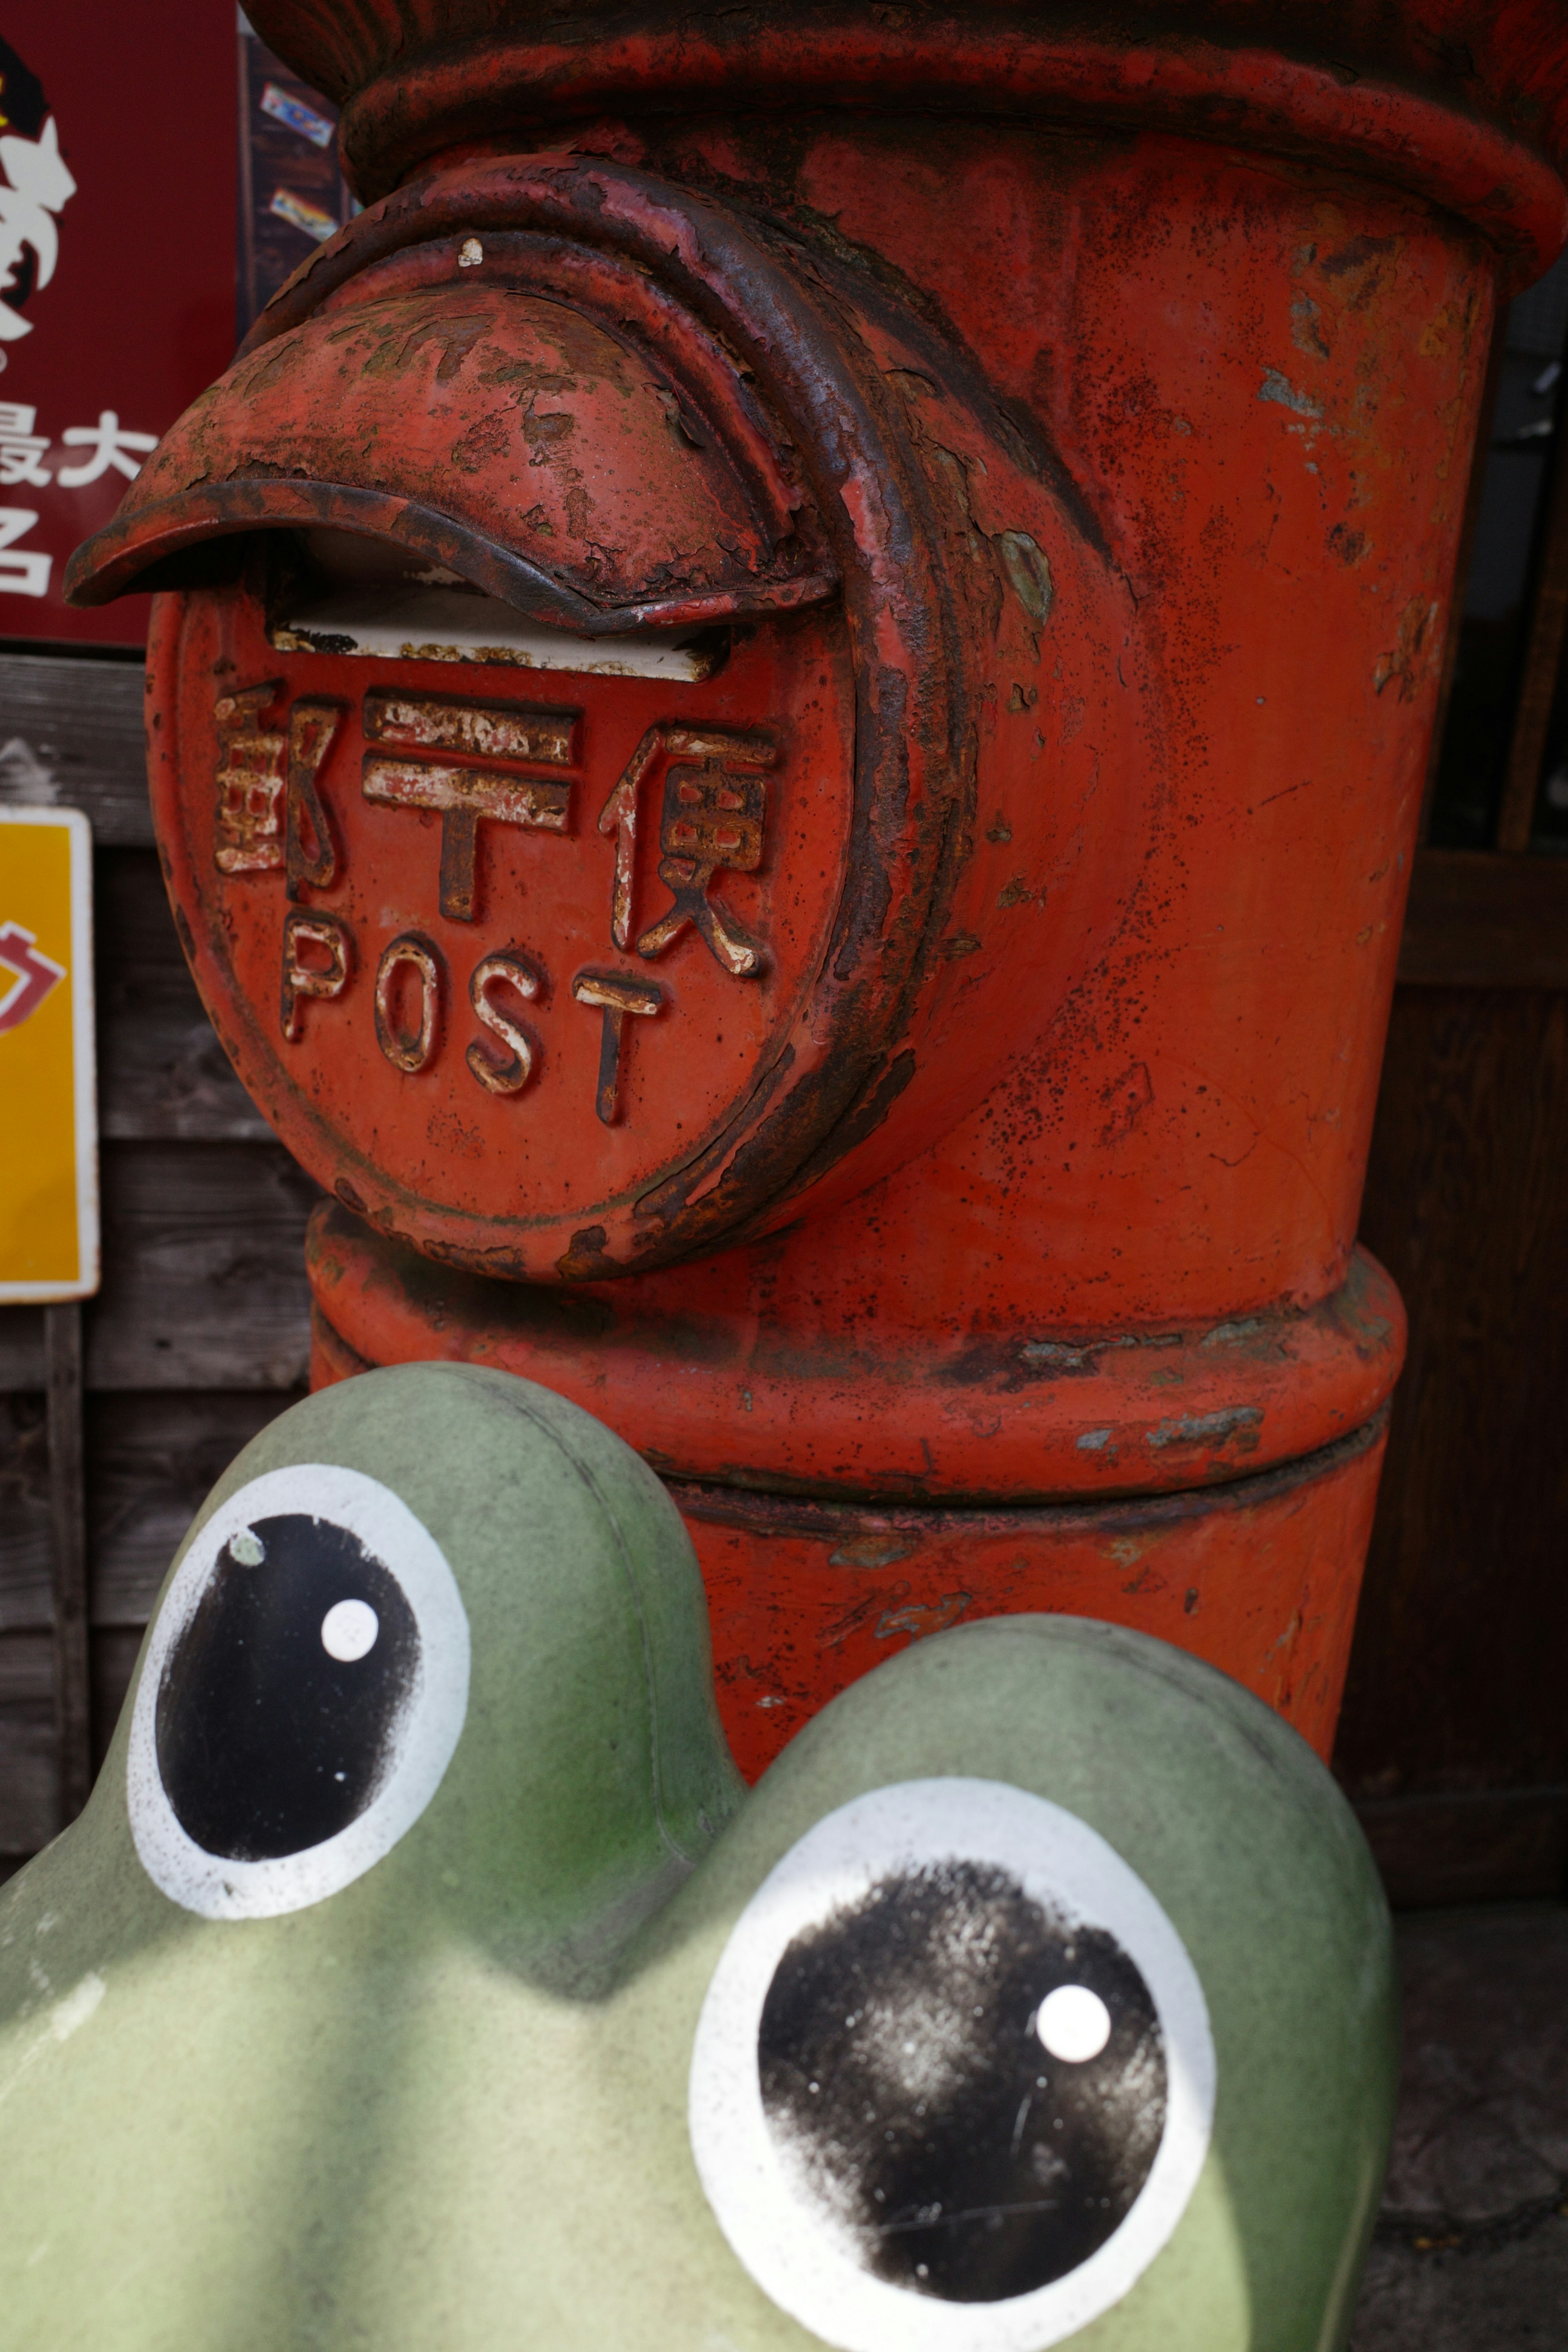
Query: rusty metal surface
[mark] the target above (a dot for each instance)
(1085, 604)
(1460, 101)
(1259, 1576)
(593, 480)
(739, 1394)
(848, 963)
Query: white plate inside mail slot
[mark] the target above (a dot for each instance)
(413, 623)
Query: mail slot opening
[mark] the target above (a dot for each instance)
(337, 592)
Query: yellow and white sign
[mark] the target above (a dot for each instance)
(48, 1118)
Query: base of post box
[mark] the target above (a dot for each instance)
(1259, 1576)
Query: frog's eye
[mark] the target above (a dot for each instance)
(304, 1687)
(954, 2082)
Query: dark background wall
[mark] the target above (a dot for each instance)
(1454, 1733)
(200, 1334)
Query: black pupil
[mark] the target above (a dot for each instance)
(268, 1743)
(904, 2080)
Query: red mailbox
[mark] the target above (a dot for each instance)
(787, 731)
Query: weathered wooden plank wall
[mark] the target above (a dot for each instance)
(200, 1335)
(1455, 1733)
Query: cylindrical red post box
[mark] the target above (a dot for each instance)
(788, 734)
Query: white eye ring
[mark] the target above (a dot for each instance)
(428, 1729)
(788, 2244)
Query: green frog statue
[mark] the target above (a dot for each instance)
(422, 1974)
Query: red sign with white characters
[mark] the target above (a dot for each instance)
(117, 274)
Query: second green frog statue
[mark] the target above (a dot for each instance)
(421, 1974)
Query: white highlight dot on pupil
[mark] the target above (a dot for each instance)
(349, 1630)
(1073, 2023)
(247, 1549)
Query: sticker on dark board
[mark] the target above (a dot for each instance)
(303, 1689)
(953, 2081)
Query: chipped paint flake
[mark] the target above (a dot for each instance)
(1192, 1429)
(1278, 387)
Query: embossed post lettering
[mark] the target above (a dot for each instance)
(329, 939)
(619, 816)
(465, 795)
(480, 731)
(310, 849)
(408, 1050)
(251, 782)
(269, 813)
(617, 996)
(510, 1076)
(713, 817)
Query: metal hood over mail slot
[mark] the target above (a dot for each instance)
(597, 470)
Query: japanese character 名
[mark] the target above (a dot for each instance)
(110, 444)
(40, 186)
(20, 447)
(25, 572)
